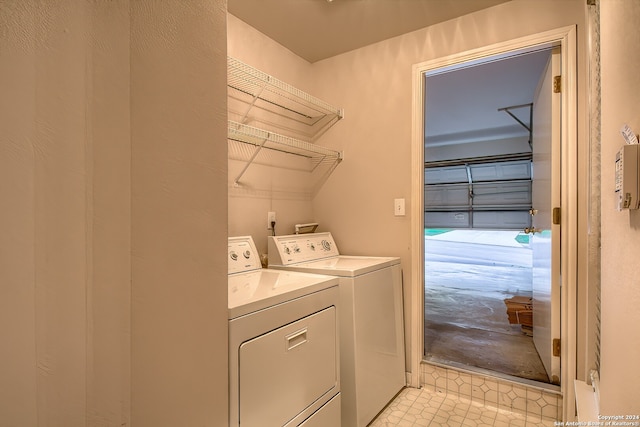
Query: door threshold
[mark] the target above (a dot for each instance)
(473, 370)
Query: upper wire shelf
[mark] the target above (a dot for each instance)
(259, 98)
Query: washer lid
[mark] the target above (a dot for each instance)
(258, 290)
(343, 265)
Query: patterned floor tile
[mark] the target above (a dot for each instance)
(430, 408)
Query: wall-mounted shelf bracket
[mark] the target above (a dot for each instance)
(529, 126)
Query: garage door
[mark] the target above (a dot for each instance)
(478, 194)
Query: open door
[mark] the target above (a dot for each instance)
(545, 230)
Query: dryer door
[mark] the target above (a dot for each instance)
(284, 371)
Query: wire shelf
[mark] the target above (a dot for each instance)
(257, 97)
(263, 139)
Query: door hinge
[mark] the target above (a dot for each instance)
(556, 216)
(557, 84)
(556, 347)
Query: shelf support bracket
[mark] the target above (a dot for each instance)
(236, 182)
(253, 102)
(524, 125)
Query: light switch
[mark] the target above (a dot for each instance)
(398, 207)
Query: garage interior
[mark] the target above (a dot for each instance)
(478, 198)
(466, 320)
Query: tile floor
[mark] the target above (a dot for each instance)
(427, 407)
(531, 400)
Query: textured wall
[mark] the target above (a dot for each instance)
(178, 212)
(620, 370)
(46, 186)
(108, 153)
(92, 116)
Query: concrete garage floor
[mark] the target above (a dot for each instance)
(468, 274)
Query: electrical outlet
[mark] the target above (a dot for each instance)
(271, 217)
(398, 207)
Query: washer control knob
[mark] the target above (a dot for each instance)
(247, 254)
(312, 246)
(287, 250)
(326, 245)
(233, 255)
(296, 249)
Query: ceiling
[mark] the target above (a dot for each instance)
(465, 105)
(320, 29)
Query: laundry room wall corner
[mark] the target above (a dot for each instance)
(275, 182)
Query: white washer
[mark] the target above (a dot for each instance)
(372, 364)
(284, 358)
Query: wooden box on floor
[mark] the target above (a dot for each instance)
(520, 311)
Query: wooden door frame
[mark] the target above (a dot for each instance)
(565, 38)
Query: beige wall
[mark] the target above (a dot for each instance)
(112, 144)
(44, 190)
(108, 216)
(178, 206)
(620, 388)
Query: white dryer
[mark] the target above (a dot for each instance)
(284, 364)
(372, 361)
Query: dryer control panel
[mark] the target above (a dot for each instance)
(242, 255)
(295, 248)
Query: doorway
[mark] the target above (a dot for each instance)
(565, 38)
(479, 182)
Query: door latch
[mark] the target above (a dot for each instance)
(531, 230)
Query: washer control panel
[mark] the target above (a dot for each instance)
(242, 255)
(295, 248)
